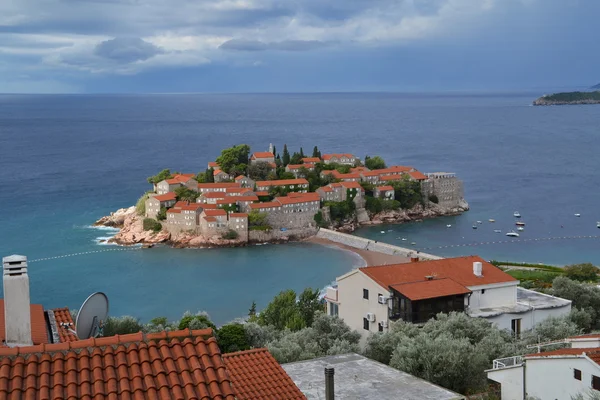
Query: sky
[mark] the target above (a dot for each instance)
(174, 46)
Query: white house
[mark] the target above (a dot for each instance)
(369, 299)
(558, 374)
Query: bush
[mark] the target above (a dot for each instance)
(162, 214)
(388, 205)
(341, 210)
(433, 198)
(374, 162)
(232, 337)
(321, 223)
(230, 235)
(197, 321)
(121, 326)
(584, 296)
(140, 206)
(373, 205)
(582, 272)
(152, 225)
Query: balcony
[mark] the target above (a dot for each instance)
(507, 362)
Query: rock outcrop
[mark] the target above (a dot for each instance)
(116, 219)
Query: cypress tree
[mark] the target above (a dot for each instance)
(286, 156)
(301, 153)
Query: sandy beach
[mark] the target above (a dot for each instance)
(370, 257)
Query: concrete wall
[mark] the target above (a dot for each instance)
(275, 234)
(363, 243)
(493, 297)
(553, 378)
(528, 319)
(353, 307)
(511, 381)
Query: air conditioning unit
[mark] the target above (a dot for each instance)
(371, 317)
(381, 299)
(384, 324)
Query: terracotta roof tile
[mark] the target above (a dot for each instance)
(269, 204)
(165, 197)
(393, 177)
(215, 213)
(180, 204)
(238, 215)
(310, 160)
(64, 324)
(282, 182)
(210, 219)
(592, 353)
(213, 164)
(262, 194)
(418, 175)
(385, 188)
(395, 169)
(39, 328)
(329, 156)
(299, 198)
(256, 375)
(429, 289)
(459, 269)
(215, 195)
(219, 185)
(187, 365)
(352, 185)
(262, 154)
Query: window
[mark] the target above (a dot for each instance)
(577, 374)
(334, 309)
(515, 326)
(366, 294)
(595, 382)
(482, 291)
(380, 327)
(366, 325)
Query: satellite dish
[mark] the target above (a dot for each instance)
(92, 316)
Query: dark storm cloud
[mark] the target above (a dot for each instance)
(126, 50)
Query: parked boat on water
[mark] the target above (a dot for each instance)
(520, 223)
(516, 214)
(520, 228)
(448, 226)
(479, 222)
(497, 231)
(382, 231)
(512, 234)
(598, 224)
(491, 220)
(578, 215)
(474, 226)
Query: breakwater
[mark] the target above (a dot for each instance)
(372, 245)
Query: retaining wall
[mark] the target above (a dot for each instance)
(276, 234)
(368, 244)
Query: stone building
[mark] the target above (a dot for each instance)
(217, 187)
(238, 222)
(183, 217)
(221, 176)
(263, 156)
(349, 177)
(169, 185)
(311, 160)
(340, 191)
(446, 187)
(296, 210)
(346, 159)
(384, 192)
(297, 168)
(213, 222)
(245, 182)
(299, 185)
(156, 201)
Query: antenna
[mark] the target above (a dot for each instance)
(92, 316)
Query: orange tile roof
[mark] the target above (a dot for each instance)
(394, 177)
(256, 375)
(591, 352)
(430, 289)
(165, 197)
(268, 204)
(238, 215)
(262, 194)
(326, 189)
(395, 169)
(298, 166)
(214, 195)
(239, 177)
(418, 175)
(64, 323)
(215, 213)
(282, 182)
(173, 181)
(237, 190)
(39, 328)
(192, 207)
(244, 198)
(385, 188)
(369, 173)
(181, 203)
(305, 198)
(210, 219)
(175, 365)
(186, 177)
(359, 169)
(262, 154)
(588, 336)
(459, 269)
(174, 211)
(218, 185)
(213, 164)
(217, 172)
(352, 185)
(227, 200)
(329, 156)
(311, 160)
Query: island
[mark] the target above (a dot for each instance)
(256, 197)
(566, 98)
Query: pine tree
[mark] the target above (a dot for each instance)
(316, 152)
(301, 153)
(210, 175)
(286, 156)
(274, 151)
(252, 310)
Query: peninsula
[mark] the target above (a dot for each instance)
(245, 197)
(566, 98)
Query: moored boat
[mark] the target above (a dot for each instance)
(578, 215)
(520, 228)
(497, 231)
(474, 226)
(520, 223)
(492, 220)
(516, 214)
(512, 234)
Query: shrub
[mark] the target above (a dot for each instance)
(121, 326)
(320, 221)
(232, 337)
(230, 235)
(582, 272)
(388, 205)
(197, 321)
(161, 176)
(433, 198)
(341, 210)
(152, 225)
(374, 162)
(374, 205)
(162, 214)
(140, 206)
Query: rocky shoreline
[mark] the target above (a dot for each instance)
(131, 231)
(543, 102)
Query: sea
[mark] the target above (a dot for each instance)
(67, 160)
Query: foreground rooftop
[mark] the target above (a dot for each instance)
(526, 300)
(357, 377)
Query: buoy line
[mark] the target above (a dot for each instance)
(84, 253)
(512, 241)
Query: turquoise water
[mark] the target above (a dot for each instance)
(68, 160)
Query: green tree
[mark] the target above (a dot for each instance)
(259, 171)
(407, 192)
(301, 154)
(121, 326)
(162, 214)
(199, 320)
(232, 337)
(584, 296)
(296, 158)
(159, 324)
(275, 152)
(161, 176)
(256, 218)
(586, 272)
(230, 235)
(184, 193)
(252, 310)
(286, 175)
(285, 159)
(150, 224)
(233, 158)
(309, 303)
(374, 162)
(140, 206)
(316, 152)
(282, 312)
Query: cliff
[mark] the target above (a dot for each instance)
(567, 98)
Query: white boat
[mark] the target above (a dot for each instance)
(479, 222)
(578, 215)
(404, 239)
(474, 226)
(516, 214)
(448, 226)
(512, 234)
(598, 224)
(492, 220)
(413, 243)
(520, 228)
(497, 231)
(382, 231)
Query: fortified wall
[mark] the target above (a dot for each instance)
(446, 187)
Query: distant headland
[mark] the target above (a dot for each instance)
(565, 98)
(258, 197)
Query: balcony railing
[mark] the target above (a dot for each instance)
(507, 362)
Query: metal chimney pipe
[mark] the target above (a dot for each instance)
(329, 389)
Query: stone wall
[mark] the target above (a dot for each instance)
(367, 244)
(273, 235)
(446, 186)
(293, 220)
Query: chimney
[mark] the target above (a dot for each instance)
(478, 269)
(329, 392)
(17, 310)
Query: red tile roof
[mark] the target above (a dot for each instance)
(227, 200)
(176, 365)
(238, 215)
(394, 177)
(395, 169)
(385, 188)
(311, 160)
(240, 177)
(329, 156)
(282, 182)
(238, 190)
(213, 164)
(418, 175)
(181, 178)
(215, 213)
(174, 211)
(262, 194)
(430, 289)
(588, 336)
(218, 185)
(267, 204)
(459, 269)
(181, 203)
(306, 198)
(352, 185)
(591, 352)
(215, 195)
(173, 181)
(217, 172)
(210, 219)
(39, 328)
(165, 197)
(326, 189)
(369, 173)
(64, 323)
(192, 207)
(256, 375)
(262, 154)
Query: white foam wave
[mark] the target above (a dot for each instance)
(103, 241)
(103, 228)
